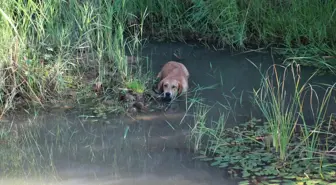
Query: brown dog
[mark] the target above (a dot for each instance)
(174, 79)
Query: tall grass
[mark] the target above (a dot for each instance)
(47, 46)
(322, 122)
(282, 99)
(205, 129)
(304, 28)
(25, 73)
(280, 107)
(295, 137)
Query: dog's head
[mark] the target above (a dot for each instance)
(170, 88)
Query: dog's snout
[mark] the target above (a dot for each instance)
(167, 94)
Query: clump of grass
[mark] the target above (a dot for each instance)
(205, 129)
(322, 57)
(136, 86)
(284, 109)
(25, 73)
(306, 26)
(280, 107)
(59, 47)
(295, 139)
(200, 128)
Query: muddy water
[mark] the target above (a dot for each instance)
(152, 149)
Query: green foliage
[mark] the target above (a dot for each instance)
(284, 109)
(136, 86)
(87, 34)
(286, 144)
(305, 32)
(47, 47)
(237, 152)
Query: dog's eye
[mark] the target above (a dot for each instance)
(165, 85)
(173, 86)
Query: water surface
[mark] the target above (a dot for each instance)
(67, 148)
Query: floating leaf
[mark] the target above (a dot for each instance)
(246, 173)
(248, 157)
(218, 158)
(288, 182)
(206, 159)
(275, 180)
(224, 165)
(216, 163)
(246, 182)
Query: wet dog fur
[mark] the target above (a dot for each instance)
(173, 80)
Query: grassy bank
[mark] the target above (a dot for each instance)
(48, 46)
(51, 50)
(293, 142)
(302, 30)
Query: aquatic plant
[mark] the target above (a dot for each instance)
(291, 142)
(284, 109)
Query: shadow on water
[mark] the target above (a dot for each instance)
(148, 149)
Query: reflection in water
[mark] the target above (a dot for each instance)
(71, 151)
(144, 180)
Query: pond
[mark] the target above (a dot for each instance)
(68, 147)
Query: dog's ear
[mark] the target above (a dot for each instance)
(180, 88)
(159, 75)
(160, 88)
